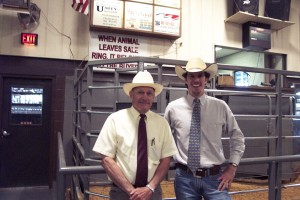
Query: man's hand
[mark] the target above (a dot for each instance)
(227, 177)
(141, 193)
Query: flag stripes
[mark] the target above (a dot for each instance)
(81, 6)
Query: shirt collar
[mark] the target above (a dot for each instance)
(135, 113)
(190, 99)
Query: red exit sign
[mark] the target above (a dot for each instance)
(29, 38)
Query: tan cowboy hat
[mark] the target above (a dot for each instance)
(197, 65)
(142, 79)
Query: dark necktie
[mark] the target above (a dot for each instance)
(142, 155)
(194, 141)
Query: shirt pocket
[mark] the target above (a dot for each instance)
(154, 152)
(214, 130)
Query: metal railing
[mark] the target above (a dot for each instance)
(82, 155)
(273, 190)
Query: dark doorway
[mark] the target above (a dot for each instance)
(25, 134)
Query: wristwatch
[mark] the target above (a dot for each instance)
(234, 164)
(150, 187)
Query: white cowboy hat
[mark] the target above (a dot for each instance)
(197, 65)
(142, 79)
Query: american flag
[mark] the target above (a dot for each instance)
(81, 6)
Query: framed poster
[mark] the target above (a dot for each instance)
(167, 20)
(168, 3)
(138, 16)
(108, 13)
(154, 18)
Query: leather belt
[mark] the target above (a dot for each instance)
(200, 172)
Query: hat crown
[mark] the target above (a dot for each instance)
(195, 64)
(143, 77)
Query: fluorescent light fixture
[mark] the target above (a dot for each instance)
(218, 48)
(16, 10)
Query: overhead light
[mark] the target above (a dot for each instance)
(16, 10)
(218, 48)
(19, 6)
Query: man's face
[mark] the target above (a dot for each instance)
(196, 83)
(142, 98)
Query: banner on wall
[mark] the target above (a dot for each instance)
(104, 45)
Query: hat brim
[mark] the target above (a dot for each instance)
(127, 87)
(211, 69)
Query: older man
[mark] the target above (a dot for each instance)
(135, 168)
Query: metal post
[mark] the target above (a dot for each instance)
(61, 162)
(61, 186)
(279, 134)
(116, 91)
(159, 80)
(140, 66)
(272, 180)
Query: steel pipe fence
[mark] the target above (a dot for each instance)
(83, 131)
(64, 171)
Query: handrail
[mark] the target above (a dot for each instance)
(162, 61)
(75, 170)
(142, 64)
(78, 146)
(64, 170)
(61, 164)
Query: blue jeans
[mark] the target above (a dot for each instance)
(188, 187)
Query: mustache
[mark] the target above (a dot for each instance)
(144, 101)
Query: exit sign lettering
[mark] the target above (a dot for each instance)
(29, 39)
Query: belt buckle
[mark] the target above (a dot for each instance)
(201, 171)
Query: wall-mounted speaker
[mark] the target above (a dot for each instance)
(250, 6)
(278, 9)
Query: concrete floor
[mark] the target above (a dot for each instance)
(28, 193)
